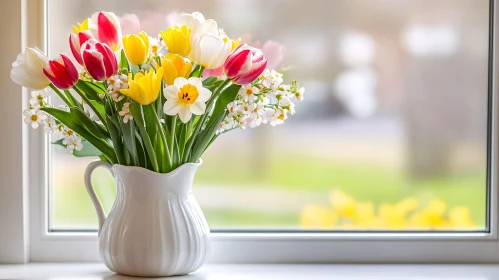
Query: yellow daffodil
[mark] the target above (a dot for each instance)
(318, 218)
(144, 88)
(175, 66)
(178, 39)
(81, 26)
(136, 47)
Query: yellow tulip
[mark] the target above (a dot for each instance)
(144, 88)
(175, 66)
(178, 39)
(81, 26)
(136, 47)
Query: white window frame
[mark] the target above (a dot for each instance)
(24, 234)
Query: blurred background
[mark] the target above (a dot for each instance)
(391, 134)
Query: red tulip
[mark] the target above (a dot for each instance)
(76, 41)
(244, 64)
(105, 27)
(99, 60)
(61, 72)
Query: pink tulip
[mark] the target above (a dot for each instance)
(130, 24)
(216, 72)
(61, 72)
(76, 41)
(274, 53)
(99, 60)
(244, 64)
(105, 27)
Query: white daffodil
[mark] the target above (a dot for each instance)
(89, 112)
(74, 143)
(125, 112)
(34, 117)
(49, 125)
(115, 84)
(186, 97)
(27, 70)
(38, 98)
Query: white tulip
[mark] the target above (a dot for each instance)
(192, 21)
(27, 70)
(209, 50)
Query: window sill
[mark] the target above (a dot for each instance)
(263, 271)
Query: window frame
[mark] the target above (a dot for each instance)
(227, 247)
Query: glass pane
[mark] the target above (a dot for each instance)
(391, 135)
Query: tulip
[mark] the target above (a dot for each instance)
(99, 60)
(136, 47)
(62, 72)
(27, 70)
(75, 43)
(209, 50)
(178, 39)
(144, 88)
(175, 66)
(105, 27)
(244, 64)
(192, 21)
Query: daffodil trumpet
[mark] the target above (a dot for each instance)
(151, 106)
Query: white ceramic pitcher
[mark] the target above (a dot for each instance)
(155, 227)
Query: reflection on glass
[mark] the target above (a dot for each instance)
(391, 134)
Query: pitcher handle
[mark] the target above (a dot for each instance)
(90, 189)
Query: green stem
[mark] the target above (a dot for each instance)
(64, 98)
(84, 97)
(148, 146)
(163, 138)
(201, 121)
(172, 136)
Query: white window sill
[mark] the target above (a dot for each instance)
(264, 272)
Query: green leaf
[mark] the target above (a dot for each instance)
(72, 99)
(92, 90)
(114, 131)
(227, 96)
(101, 110)
(66, 118)
(82, 118)
(124, 61)
(204, 139)
(127, 130)
(209, 81)
(136, 111)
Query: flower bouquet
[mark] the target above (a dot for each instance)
(149, 109)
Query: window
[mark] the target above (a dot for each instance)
(398, 112)
(391, 135)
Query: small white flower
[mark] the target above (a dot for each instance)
(59, 128)
(277, 116)
(299, 93)
(67, 133)
(248, 92)
(186, 97)
(34, 117)
(125, 112)
(157, 46)
(74, 143)
(50, 125)
(89, 112)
